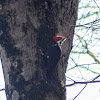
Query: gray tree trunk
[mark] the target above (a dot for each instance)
(27, 27)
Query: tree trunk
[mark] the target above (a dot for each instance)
(27, 27)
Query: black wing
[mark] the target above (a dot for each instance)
(53, 56)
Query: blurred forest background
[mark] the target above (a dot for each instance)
(83, 72)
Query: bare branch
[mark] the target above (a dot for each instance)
(88, 51)
(93, 81)
(84, 25)
(96, 4)
(96, 77)
(93, 22)
(2, 89)
(83, 83)
(91, 54)
(80, 92)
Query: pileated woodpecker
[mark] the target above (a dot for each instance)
(53, 55)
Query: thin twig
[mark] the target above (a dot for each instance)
(91, 54)
(83, 83)
(80, 92)
(86, 23)
(96, 4)
(96, 78)
(88, 51)
(2, 89)
(92, 81)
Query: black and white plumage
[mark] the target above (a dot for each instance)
(53, 55)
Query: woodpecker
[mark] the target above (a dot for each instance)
(53, 54)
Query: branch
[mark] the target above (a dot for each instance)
(88, 51)
(80, 92)
(84, 88)
(81, 66)
(93, 81)
(96, 78)
(2, 89)
(96, 4)
(92, 55)
(95, 21)
(83, 83)
(84, 25)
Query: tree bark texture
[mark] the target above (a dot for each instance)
(26, 28)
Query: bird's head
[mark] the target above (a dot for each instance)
(59, 39)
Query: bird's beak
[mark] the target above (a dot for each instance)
(62, 40)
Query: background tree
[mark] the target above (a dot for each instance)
(84, 61)
(27, 27)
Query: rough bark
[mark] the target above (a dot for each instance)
(27, 27)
